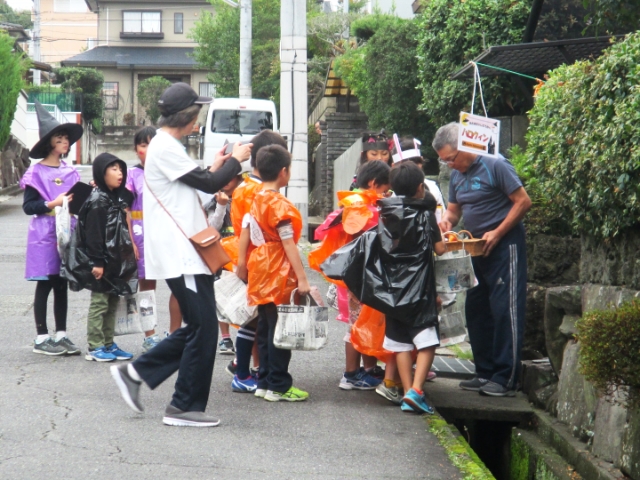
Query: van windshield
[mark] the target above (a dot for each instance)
(241, 122)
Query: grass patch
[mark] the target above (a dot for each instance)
(458, 450)
(461, 354)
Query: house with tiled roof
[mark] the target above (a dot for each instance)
(139, 40)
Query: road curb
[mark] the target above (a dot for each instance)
(10, 191)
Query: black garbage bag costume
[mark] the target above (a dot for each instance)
(391, 268)
(102, 238)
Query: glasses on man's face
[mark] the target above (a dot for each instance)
(448, 161)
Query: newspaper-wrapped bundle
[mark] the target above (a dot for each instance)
(454, 272)
(136, 313)
(231, 300)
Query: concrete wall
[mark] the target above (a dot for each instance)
(345, 163)
(111, 23)
(19, 124)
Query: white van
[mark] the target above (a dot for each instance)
(235, 119)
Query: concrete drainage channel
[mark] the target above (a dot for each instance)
(507, 438)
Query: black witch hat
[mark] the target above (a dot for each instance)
(48, 127)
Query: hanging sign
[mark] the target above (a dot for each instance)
(479, 135)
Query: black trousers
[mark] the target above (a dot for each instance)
(274, 362)
(190, 349)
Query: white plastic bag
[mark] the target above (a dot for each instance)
(63, 226)
(231, 300)
(454, 272)
(452, 318)
(136, 313)
(301, 327)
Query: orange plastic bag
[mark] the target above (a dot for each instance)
(367, 334)
(241, 202)
(271, 276)
(336, 238)
(230, 245)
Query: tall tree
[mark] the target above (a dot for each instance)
(19, 17)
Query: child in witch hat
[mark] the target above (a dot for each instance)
(45, 184)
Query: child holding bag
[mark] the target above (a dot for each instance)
(275, 226)
(45, 184)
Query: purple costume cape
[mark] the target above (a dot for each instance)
(42, 251)
(135, 182)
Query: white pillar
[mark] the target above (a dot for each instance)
(293, 99)
(245, 49)
(36, 40)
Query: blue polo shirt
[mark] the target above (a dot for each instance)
(482, 192)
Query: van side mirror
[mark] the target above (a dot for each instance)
(202, 130)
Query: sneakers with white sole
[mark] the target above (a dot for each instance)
(177, 418)
(129, 388)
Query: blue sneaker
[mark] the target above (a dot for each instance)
(248, 385)
(360, 381)
(99, 355)
(417, 402)
(150, 342)
(118, 353)
(405, 407)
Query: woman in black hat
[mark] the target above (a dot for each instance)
(45, 185)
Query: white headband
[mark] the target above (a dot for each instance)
(401, 155)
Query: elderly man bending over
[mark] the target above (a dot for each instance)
(490, 196)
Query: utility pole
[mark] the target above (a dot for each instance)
(36, 40)
(293, 99)
(245, 49)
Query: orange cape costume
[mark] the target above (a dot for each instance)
(271, 277)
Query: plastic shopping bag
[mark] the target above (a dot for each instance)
(301, 327)
(338, 298)
(452, 318)
(63, 226)
(136, 313)
(231, 300)
(367, 334)
(454, 272)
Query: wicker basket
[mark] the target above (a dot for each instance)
(472, 245)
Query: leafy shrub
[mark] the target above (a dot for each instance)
(609, 348)
(453, 32)
(149, 92)
(583, 137)
(544, 216)
(13, 67)
(85, 81)
(383, 74)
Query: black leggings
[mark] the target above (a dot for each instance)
(59, 286)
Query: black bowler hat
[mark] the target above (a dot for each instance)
(48, 127)
(178, 97)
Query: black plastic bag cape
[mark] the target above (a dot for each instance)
(391, 268)
(120, 263)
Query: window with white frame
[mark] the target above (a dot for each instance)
(141, 22)
(178, 23)
(207, 89)
(69, 6)
(110, 95)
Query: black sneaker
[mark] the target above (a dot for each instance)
(69, 346)
(225, 347)
(377, 372)
(231, 368)
(49, 347)
(178, 418)
(474, 384)
(129, 388)
(494, 389)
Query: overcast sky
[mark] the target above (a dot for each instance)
(20, 4)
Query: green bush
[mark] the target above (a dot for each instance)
(85, 81)
(13, 68)
(610, 347)
(583, 141)
(149, 92)
(383, 74)
(452, 32)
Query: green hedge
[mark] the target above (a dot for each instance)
(583, 142)
(13, 68)
(609, 349)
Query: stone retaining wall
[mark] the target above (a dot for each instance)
(14, 161)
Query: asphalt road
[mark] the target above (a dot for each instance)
(62, 417)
